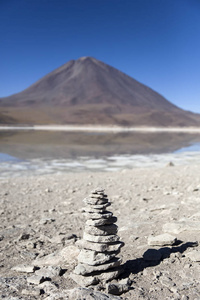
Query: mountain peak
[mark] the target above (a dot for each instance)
(88, 91)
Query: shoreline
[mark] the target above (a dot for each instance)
(94, 128)
(85, 165)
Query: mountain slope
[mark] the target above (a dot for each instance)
(88, 91)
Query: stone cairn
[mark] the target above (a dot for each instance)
(97, 261)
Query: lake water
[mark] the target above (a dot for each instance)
(40, 152)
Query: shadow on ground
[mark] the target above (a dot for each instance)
(153, 257)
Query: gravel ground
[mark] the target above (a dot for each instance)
(42, 220)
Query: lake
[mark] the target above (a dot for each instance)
(44, 152)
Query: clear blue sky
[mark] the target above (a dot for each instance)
(156, 42)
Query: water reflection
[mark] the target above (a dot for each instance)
(69, 145)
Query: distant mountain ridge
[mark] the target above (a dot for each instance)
(88, 91)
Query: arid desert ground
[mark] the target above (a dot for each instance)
(42, 220)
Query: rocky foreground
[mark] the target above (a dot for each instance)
(158, 219)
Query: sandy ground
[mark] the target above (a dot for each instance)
(42, 215)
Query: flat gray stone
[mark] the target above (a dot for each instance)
(98, 190)
(110, 274)
(162, 240)
(100, 222)
(50, 271)
(106, 276)
(84, 281)
(36, 279)
(100, 239)
(93, 258)
(100, 247)
(101, 230)
(83, 269)
(24, 268)
(96, 216)
(84, 293)
(100, 206)
(93, 199)
(94, 210)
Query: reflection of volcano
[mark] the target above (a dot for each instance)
(88, 91)
(40, 144)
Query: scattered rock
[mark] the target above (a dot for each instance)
(24, 236)
(49, 272)
(84, 293)
(24, 268)
(161, 240)
(116, 288)
(36, 279)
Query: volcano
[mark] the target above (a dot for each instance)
(88, 91)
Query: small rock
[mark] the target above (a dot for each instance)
(84, 281)
(34, 293)
(161, 240)
(36, 279)
(84, 293)
(24, 236)
(83, 269)
(49, 272)
(100, 239)
(24, 268)
(170, 164)
(117, 289)
(48, 286)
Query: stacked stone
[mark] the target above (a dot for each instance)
(97, 261)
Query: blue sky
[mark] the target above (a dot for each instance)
(157, 42)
